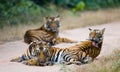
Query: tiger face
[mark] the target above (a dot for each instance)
(33, 48)
(41, 52)
(52, 24)
(96, 35)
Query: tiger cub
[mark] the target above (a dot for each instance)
(48, 32)
(82, 53)
(32, 55)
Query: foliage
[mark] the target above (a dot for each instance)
(18, 11)
(116, 66)
(13, 12)
(80, 6)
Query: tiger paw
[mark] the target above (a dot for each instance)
(29, 62)
(15, 59)
(87, 60)
(77, 63)
(49, 63)
(18, 59)
(25, 62)
(65, 63)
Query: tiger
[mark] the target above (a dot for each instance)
(82, 53)
(48, 32)
(31, 55)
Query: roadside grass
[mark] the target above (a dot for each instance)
(109, 63)
(68, 21)
(15, 32)
(90, 18)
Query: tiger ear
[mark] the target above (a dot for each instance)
(57, 17)
(46, 18)
(90, 29)
(32, 45)
(102, 31)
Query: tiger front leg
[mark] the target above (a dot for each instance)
(17, 59)
(63, 40)
(31, 62)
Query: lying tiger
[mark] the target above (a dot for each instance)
(82, 53)
(48, 32)
(34, 56)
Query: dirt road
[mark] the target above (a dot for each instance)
(12, 49)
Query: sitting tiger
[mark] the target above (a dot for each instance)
(82, 53)
(48, 32)
(34, 56)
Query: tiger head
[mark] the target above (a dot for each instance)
(96, 35)
(41, 52)
(52, 24)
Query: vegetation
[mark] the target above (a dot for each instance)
(109, 63)
(83, 19)
(14, 12)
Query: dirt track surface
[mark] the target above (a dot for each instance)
(12, 49)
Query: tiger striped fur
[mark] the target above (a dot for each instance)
(31, 56)
(48, 32)
(28, 54)
(84, 52)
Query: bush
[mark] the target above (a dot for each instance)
(79, 7)
(13, 12)
(19, 11)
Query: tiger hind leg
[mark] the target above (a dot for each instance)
(28, 40)
(71, 62)
(77, 63)
(49, 63)
(87, 60)
(65, 63)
